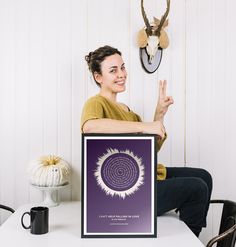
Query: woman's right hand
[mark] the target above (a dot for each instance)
(155, 127)
(163, 102)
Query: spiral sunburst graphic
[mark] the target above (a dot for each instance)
(119, 173)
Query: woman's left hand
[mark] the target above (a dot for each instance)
(163, 101)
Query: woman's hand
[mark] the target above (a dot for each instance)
(155, 127)
(163, 102)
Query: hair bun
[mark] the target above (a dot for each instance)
(88, 57)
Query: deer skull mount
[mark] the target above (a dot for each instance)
(152, 39)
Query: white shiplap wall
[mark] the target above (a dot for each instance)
(211, 115)
(44, 82)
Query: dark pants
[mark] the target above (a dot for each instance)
(188, 190)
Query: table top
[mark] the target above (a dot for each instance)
(65, 230)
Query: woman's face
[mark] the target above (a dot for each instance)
(113, 74)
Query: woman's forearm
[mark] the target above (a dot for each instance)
(158, 116)
(106, 125)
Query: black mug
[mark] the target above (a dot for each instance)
(38, 220)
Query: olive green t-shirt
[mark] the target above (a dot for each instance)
(98, 107)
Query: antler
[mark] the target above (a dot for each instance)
(163, 19)
(146, 21)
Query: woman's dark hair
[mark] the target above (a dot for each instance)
(95, 58)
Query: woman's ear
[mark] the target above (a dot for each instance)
(97, 77)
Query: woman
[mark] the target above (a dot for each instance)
(187, 190)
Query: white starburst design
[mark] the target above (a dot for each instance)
(136, 166)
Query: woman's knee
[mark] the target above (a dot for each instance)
(200, 190)
(207, 178)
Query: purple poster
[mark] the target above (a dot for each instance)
(118, 185)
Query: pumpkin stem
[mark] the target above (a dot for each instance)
(50, 160)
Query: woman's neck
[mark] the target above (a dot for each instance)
(109, 95)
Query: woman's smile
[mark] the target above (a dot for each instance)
(121, 83)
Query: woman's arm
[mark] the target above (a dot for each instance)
(106, 125)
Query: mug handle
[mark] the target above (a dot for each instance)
(22, 222)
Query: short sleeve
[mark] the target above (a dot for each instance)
(138, 118)
(160, 142)
(92, 110)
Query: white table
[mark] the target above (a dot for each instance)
(65, 230)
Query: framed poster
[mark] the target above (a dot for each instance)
(118, 185)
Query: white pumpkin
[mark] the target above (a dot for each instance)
(50, 171)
